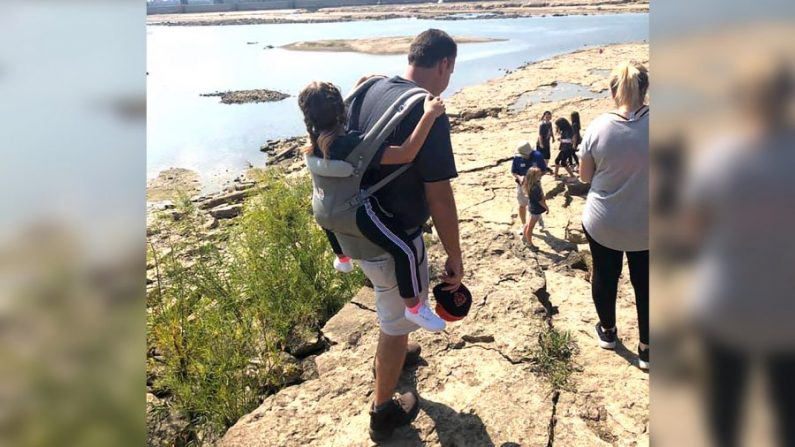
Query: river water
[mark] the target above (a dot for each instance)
(219, 140)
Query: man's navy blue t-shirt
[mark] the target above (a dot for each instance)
(404, 197)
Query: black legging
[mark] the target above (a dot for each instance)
(607, 265)
(726, 388)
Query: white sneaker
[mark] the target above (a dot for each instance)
(425, 318)
(343, 264)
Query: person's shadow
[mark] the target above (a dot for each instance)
(453, 428)
(626, 354)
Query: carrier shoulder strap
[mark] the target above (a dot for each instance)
(361, 156)
(362, 88)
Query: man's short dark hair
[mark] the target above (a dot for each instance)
(430, 47)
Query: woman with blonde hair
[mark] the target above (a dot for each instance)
(614, 159)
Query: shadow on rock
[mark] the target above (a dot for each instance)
(556, 243)
(456, 428)
(543, 298)
(453, 428)
(626, 354)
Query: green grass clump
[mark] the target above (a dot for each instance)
(222, 307)
(554, 358)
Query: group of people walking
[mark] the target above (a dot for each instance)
(614, 159)
(408, 181)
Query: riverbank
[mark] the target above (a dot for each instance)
(380, 45)
(481, 373)
(444, 11)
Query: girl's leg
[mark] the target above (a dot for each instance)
(639, 276)
(523, 214)
(604, 281)
(387, 234)
(528, 229)
(332, 240)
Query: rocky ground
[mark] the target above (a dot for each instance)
(248, 96)
(171, 183)
(382, 45)
(434, 10)
(479, 380)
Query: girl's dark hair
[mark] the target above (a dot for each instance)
(563, 125)
(575, 120)
(324, 114)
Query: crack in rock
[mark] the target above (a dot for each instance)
(362, 306)
(493, 196)
(488, 348)
(489, 166)
(553, 420)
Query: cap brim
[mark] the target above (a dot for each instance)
(444, 315)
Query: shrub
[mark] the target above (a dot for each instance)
(223, 306)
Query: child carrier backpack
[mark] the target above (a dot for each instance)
(337, 189)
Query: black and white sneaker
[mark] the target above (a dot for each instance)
(607, 339)
(643, 359)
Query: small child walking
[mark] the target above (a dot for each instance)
(531, 187)
(566, 134)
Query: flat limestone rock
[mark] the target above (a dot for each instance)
(380, 45)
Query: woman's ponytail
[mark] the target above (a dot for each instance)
(629, 84)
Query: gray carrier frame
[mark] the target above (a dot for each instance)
(337, 190)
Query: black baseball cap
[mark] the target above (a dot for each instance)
(452, 306)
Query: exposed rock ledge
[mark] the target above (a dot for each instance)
(248, 96)
(381, 45)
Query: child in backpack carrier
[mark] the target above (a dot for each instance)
(325, 117)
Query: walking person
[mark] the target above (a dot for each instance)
(566, 133)
(615, 161)
(576, 139)
(545, 134)
(524, 159)
(531, 188)
(421, 192)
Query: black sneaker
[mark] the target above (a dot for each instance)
(643, 359)
(607, 339)
(413, 351)
(399, 411)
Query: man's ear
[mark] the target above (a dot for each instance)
(440, 67)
